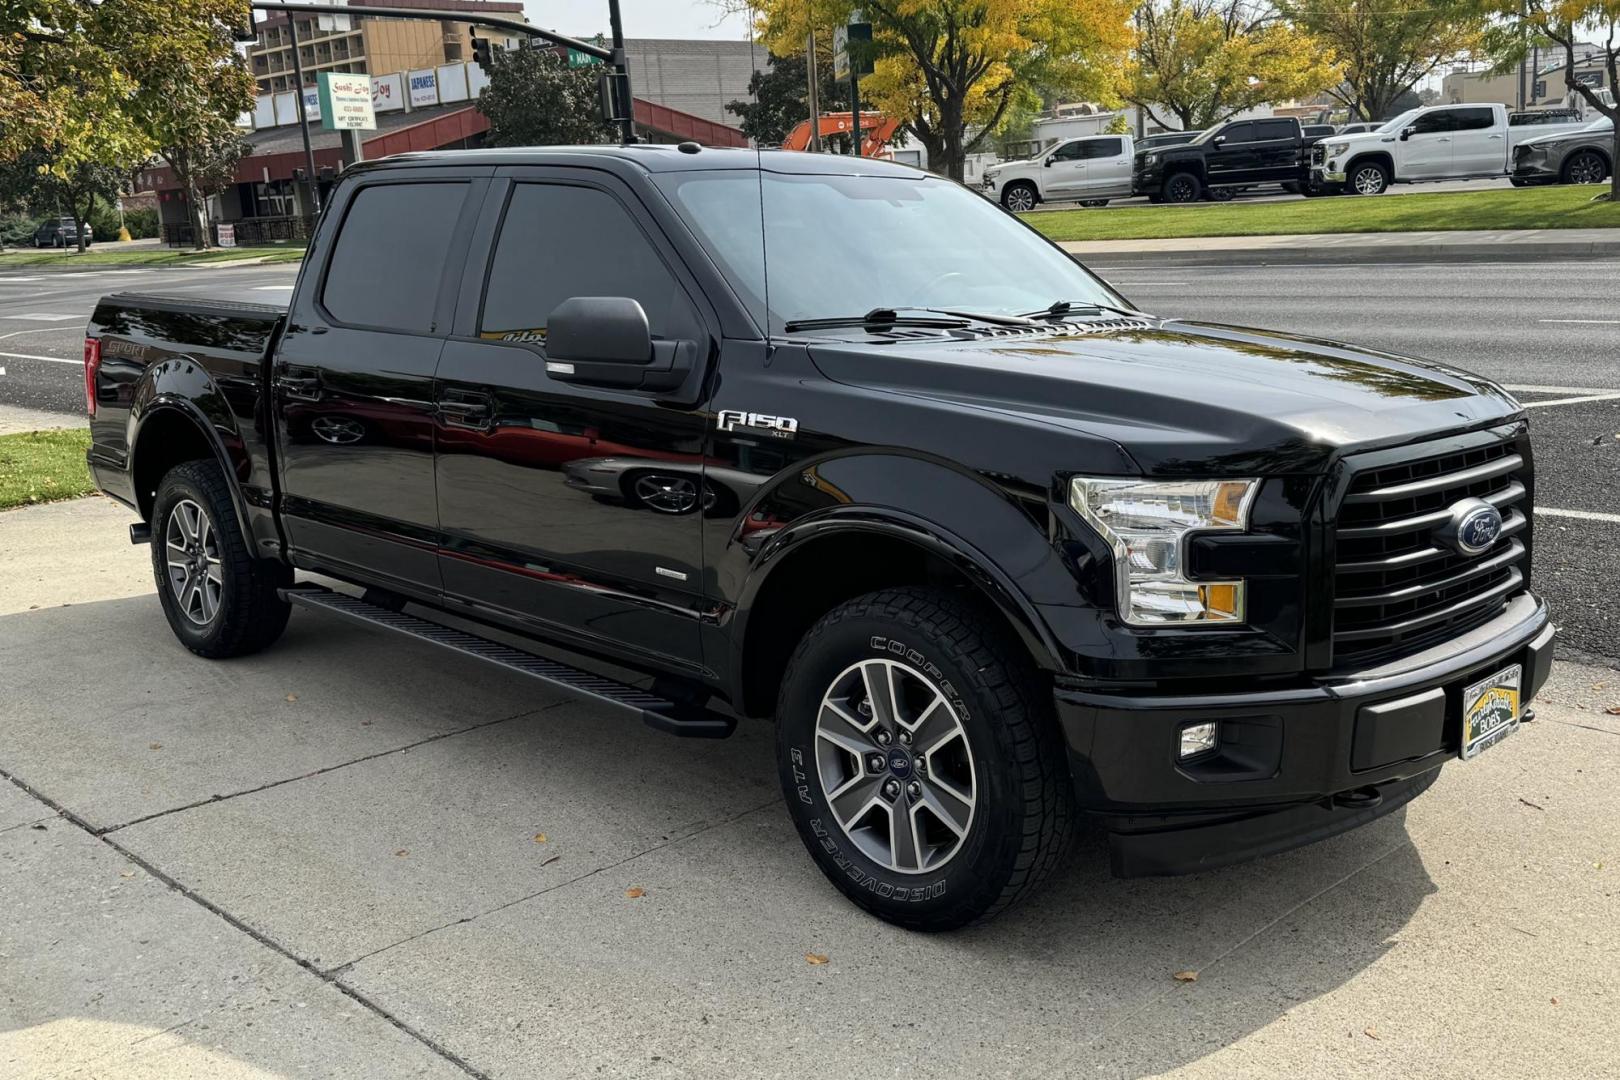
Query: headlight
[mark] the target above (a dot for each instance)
(1147, 523)
(1334, 149)
(1149, 158)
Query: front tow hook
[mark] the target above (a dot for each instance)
(1360, 799)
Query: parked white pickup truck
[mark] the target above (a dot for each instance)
(1439, 142)
(1091, 170)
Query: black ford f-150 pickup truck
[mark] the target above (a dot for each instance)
(1225, 159)
(709, 434)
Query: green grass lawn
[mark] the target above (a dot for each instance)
(109, 255)
(40, 466)
(1559, 207)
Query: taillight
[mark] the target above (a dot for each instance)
(92, 367)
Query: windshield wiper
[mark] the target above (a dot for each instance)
(1081, 307)
(877, 317)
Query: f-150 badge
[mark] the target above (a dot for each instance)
(781, 427)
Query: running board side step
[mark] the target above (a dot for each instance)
(671, 717)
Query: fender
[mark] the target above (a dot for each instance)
(1383, 157)
(182, 386)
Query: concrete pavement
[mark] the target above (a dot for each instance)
(1463, 245)
(327, 861)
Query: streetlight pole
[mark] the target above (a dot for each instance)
(814, 99)
(303, 119)
(627, 122)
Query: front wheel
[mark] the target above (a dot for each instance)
(1368, 178)
(1183, 188)
(220, 601)
(921, 761)
(1019, 196)
(1585, 167)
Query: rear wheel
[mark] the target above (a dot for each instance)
(1182, 188)
(1586, 167)
(1221, 194)
(1095, 203)
(1368, 178)
(220, 601)
(921, 761)
(1019, 196)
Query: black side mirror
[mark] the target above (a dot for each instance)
(1218, 141)
(1408, 132)
(605, 341)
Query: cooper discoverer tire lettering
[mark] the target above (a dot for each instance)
(938, 793)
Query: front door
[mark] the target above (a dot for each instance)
(352, 381)
(1427, 152)
(1064, 176)
(1233, 159)
(568, 509)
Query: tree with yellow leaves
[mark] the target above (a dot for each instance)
(1199, 62)
(951, 71)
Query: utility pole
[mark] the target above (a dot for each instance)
(855, 105)
(627, 122)
(303, 120)
(814, 98)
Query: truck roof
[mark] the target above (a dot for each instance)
(654, 157)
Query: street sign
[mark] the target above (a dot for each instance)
(860, 33)
(578, 59)
(346, 102)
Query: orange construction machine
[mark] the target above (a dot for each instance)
(876, 131)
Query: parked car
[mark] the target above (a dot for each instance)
(1222, 160)
(1318, 131)
(1437, 142)
(1359, 126)
(1165, 138)
(1091, 170)
(1583, 156)
(992, 546)
(61, 232)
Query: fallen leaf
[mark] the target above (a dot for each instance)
(403, 852)
(815, 958)
(292, 697)
(1532, 805)
(539, 837)
(41, 828)
(548, 862)
(1615, 711)
(127, 873)
(635, 892)
(1555, 1001)
(1185, 976)
(155, 746)
(1372, 1033)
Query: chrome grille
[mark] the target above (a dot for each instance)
(1397, 590)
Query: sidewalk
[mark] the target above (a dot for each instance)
(1508, 245)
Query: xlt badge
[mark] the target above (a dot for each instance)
(782, 427)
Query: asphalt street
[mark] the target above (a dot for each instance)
(1549, 331)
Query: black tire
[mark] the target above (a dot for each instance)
(1183, 187)
(1518, 181)
(248, 615)
(1016, 192)
(1221, 194)
(1585, 167)
(1095, 204)
(1155, 198)
(1366, 178)
(1293, 187)
(1023, 814)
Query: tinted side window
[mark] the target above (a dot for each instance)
(559, 241)
(1068, 152)
(1243, 132)
(1474, 119)
(1103, 148)
(1430, 123)
(390, 254)
(1275, 129)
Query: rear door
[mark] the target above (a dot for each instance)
(1234, 159)
(1108, 167)
(1427, 150)
(571, 510)
(1277, 149)
(1479, 144)
(1064, 173)
(352, 378)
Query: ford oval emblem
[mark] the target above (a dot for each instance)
(1473, 527)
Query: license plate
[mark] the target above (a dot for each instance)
(1491, 710)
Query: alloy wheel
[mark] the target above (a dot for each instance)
(195, 574)
(668, 494)
(1586, 169)
(339, 430)
(1020, 199)
(1368, 181)
(895, 767)
(1182, 189)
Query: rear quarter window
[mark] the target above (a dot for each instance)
(389, 257)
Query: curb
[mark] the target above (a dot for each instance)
(1346, 254)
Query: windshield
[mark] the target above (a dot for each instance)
(1205, 136)
(845, 245)
(1399, 121)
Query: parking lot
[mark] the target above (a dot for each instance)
(351, 857)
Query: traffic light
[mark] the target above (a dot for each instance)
(483, 53)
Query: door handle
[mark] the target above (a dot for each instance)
(463, 409)
(1443, 138)
(300, 387)
(1496, 136)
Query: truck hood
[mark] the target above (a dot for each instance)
(1180, 397)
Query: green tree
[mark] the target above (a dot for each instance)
(1200, 62)
(951, 71)
(535, 99)
(1564, 23)
(1388, 46)
(779, 97)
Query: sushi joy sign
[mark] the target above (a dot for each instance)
(346, 102)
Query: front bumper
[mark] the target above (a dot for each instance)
(1535, 168)
(1293, 766)
(1330, 173)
